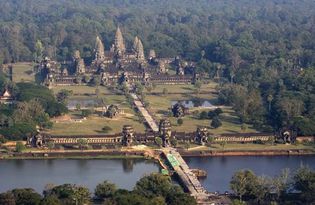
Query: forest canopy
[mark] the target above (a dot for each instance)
(263, 52)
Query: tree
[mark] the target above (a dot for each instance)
(78, 106)
(197, 86)
(243, 127)
(216, 122)
(26, 197)
(82, 143)
(203, 115)
(106, 129)
(50, 200)
(38, 51)
(153, 185)
(304, 181)
(158, 141)
(86, 113)
(50, 145)
(243, 183)
(269, 99)
(71, 194)
(173, 141)
(19, 147)
(105, 190)
(63, 95)
(180, 121)
(223, 143)
(7, 198)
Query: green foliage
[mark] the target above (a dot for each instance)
(26, 197)
(50, 200)
(180, 121)
(86, 113)
(203, 115)
(29, 91)
(153, 185)
(71, 194)
(7, 198)
(19, 131)
(19, 147)
(63, 95)
(216, 122)
(105, 190)
(304, 181)
(173, 141)
(158, 141)
(106, 129)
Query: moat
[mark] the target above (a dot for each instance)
(126, 172)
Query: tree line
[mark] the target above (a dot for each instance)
(35, 106)
(286, 188)
(154, 189)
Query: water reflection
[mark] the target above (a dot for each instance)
(194, 103)
(38, 173)
(127, 165)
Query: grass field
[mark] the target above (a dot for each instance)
(82, 89)
(160, 105)
(230, 124)
(187, 88)
(94, 125)
(23, 72)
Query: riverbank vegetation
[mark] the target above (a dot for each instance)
(285, 188)
(154, 189)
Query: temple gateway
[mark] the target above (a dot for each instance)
(118, 65)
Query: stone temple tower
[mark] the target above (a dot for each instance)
(128, 135)
(99, 50)
(165, 131)
(138, 49)
(119, 43)
(201, 135)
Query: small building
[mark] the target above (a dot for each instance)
(6, 97)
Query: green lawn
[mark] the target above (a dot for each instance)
(82, 89)
(187, 88)
(160, 105)
(23, 72)
(230, 124)
(94, 125)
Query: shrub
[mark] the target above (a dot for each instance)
(216, 122)
(180, 121)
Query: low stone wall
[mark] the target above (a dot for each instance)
(208, 153)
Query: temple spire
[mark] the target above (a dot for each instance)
(135, 43)
(119, 43)
(140, 51)
(99, 50)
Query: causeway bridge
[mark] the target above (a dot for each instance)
(187, 178)
(177, 164)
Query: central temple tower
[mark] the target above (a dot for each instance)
(119, 44)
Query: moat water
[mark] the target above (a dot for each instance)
(194, 103)
(126, 172)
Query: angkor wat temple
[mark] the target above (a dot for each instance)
(118, 65)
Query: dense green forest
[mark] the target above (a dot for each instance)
(262, 52)
(154, 189)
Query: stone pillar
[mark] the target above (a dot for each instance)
(128, 135)
(165, 132)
